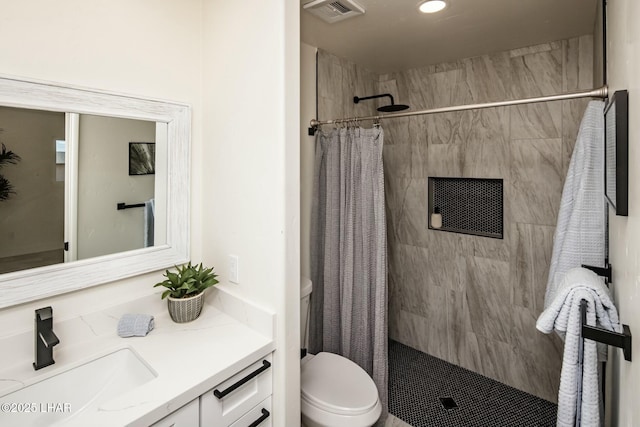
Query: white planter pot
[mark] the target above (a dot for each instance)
(184, 310)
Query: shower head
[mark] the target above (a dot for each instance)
(392, 108)
(385, 108)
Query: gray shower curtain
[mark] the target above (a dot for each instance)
(349, 251)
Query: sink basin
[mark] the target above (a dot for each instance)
(83, 388)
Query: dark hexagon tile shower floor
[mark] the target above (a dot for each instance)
(417, 381)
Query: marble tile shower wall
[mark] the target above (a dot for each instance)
(469, 300)
(473, 301)
(338, 82)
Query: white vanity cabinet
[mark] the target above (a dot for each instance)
(244, 400)
(187, 416)
(259, 416)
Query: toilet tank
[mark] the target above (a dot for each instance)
(305, 298)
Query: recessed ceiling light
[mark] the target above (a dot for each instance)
(432, 6)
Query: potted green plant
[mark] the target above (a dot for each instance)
(185, 290)
(7, 157)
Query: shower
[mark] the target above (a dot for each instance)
(393, 107)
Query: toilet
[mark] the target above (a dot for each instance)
(335, 392)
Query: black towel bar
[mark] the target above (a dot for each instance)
(615, 339)
(594, 333)
(601, 271)
(122, 206)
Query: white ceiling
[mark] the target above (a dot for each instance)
(392, 35)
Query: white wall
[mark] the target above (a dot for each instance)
(251, 197)
(104, 181)
(623, 72)
(307, 150)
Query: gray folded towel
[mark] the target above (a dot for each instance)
(135, 325)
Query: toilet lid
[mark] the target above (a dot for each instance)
(335, 384)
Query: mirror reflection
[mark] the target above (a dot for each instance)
(32, 215)
(68, 175)
(104, 180)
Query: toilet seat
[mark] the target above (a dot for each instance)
(337, 385)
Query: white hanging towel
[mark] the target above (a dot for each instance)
(580, 233)
(563, 316)
(149, 222)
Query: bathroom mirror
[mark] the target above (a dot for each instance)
(616, 152)
(94, 257)
(60, 210)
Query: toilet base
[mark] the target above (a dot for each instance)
(314, 417)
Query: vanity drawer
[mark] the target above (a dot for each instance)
(233, 398)
(187, 416)
(260, 416)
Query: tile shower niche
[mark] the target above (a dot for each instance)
(468, 205)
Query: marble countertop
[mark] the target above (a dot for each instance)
(188, 359)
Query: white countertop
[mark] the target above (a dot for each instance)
(189, 358)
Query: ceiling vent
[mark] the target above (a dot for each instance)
(334, 11)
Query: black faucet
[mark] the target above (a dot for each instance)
(45, 338)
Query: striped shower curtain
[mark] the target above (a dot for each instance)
(348, 251)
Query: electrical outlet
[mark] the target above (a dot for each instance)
(234, 269)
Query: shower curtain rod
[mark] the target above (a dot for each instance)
(594, 93)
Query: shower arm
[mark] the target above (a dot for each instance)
(357, 99)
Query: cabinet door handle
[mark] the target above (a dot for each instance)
(265, 415)
(220, 394)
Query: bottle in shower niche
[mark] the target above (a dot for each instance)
(436, 218)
